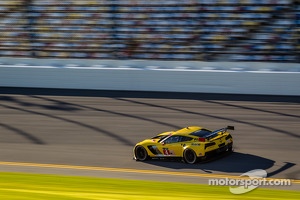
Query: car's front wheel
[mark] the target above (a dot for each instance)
(140, 153)
(190, 156)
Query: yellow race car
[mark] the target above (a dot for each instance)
(192, 144)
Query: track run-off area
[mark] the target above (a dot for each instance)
(93, 133)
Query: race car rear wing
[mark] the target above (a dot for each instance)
(215, 133)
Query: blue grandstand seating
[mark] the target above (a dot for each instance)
(210, 30)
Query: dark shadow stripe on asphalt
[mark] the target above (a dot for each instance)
(148, 94)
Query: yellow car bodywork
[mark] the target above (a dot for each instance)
(191, 143)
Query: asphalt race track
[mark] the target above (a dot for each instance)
(100, 129)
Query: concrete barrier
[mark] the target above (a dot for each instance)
(198, 77)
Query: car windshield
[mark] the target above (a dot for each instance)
(160, 137)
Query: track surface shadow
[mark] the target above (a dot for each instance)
(235, 162)
(149, 94)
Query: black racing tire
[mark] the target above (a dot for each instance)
(189, 156)
(140, 153)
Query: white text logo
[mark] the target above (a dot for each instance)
(249, 181)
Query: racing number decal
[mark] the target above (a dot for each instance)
(167, 152)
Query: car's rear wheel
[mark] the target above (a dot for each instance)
(141, 153)
(190, 156)
(230, 148)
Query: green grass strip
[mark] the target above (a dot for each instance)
(24, 186)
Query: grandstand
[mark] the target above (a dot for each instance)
(204, 30)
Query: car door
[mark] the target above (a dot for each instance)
(171, 146)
